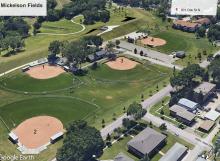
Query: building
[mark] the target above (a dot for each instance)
(206, 126)
(182, 114)
(148, 142)
(185, 25)
(206, 89)
(175, 153)
(212, 115)
(122, 157)
(201, 159)
(218, 109)
(180, 54)
(188, 105)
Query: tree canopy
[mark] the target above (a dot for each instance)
(81, 143)
(135, 110)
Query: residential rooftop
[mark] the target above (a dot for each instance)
(207, 125)
(212, 115)
(182, 112)
(187, 103)
(146, 141)
(176, 152)
(205, 88)
(185, 23)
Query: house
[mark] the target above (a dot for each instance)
(148, 142)
(175, 153)
(122, 157)
(206, 89)
(212, 115)
(206, 126)
(188, 104)
(180, 54)
(182, 114)
(185, 25)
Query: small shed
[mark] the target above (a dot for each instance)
(180, 54)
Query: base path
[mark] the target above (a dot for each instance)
(66, 34)
(36, 132)
(122, 63)
(45, 71)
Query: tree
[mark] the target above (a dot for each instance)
(37, 25)
(117, 42)
(110, 46)
(201, 31)
(93, 40)
(135, 51)
(127, 123)
(163, 127)
(141, 53)
(108, 138)
(135, 110)
(80, 143)
(54, 47)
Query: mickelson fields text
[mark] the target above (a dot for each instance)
(21, 5)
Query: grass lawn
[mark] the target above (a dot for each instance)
(24, 83)
(60, 27)
(110, 90)
(178, 40)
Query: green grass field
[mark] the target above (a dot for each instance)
(64, 108)
(102, 93)
(178, 40)
(21, 82)
(60, 27)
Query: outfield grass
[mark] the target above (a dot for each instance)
(60, 27)
(64, 108)
(21, 82)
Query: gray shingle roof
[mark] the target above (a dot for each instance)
(187, 103)
(174, 153)
(205, 88)
(147, 140)
(182, 112)
(122, 157)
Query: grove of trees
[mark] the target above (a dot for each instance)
(13, 30)
(81, 143)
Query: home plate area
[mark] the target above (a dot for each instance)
(34, 135)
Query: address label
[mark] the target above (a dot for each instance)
(194, 7)
(23, 7)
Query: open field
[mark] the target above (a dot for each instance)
(37, 46)
(60, 27)
(103, 92)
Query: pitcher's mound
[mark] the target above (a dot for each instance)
(37, 131)
(122, 63)
(153, 41)
(45, 71)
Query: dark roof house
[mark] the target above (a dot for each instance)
(122, 157)
(182, 114)
(148, 142)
